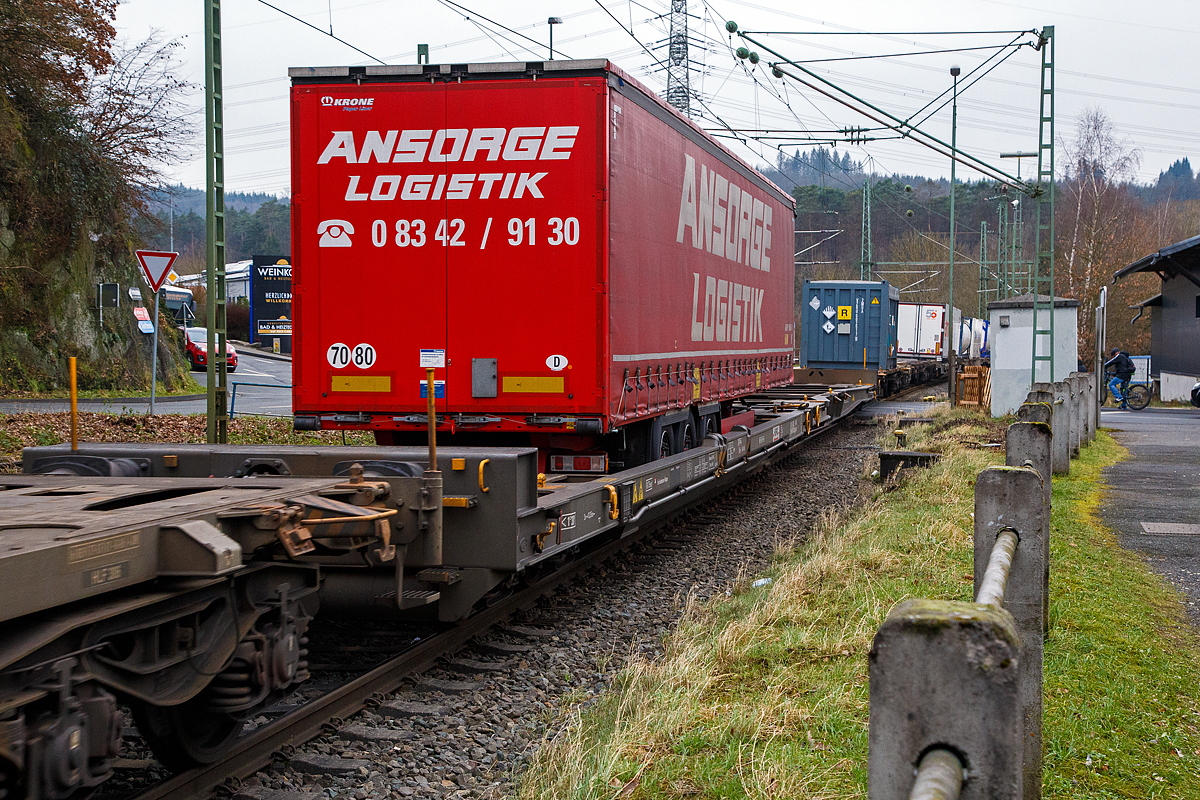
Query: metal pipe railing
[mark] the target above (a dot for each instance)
(939, 776)
(236, 384)
(995, 579)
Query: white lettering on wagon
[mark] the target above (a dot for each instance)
(725, 219)
(453, 144)
(726, 312)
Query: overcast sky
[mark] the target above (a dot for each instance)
(1138, 62)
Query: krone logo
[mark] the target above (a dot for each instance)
(326, 100)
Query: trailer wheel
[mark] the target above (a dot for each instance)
(687, 436)
(666, 446)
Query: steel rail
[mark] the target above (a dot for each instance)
(260, 748)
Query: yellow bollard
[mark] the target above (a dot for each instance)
(74, 409)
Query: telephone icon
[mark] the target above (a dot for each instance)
(335, 233)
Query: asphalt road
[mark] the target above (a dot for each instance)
(1153, 498)
(273, 399)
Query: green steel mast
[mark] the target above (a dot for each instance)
(218, 419)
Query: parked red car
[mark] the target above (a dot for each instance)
(197, 350)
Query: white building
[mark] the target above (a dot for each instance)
(1010, 335)
(237, 280)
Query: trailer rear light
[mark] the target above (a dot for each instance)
(579, 463)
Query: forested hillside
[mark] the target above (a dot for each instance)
(84, 127)
(254, 225)
(87, 126)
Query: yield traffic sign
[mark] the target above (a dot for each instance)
(155, 266)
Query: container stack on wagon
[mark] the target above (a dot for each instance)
(849, 334)
(604, 278)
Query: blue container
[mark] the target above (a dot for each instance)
(848, 325)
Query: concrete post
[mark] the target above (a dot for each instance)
(1061, 426)
(1032, 442)
(1060, 447)
(946, 674)
(1093, 405)
(1083, 384)
(1036, 411)
(1078, 384)
(1011, 498)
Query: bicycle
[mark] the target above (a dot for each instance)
(1137, 397)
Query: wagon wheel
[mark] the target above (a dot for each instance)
(186, 735)
(11, 785)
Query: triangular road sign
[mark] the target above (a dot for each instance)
(155, 266)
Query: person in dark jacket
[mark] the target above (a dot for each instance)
(1121, 365)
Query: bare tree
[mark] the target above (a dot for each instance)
(1102, 226)
(136, 116)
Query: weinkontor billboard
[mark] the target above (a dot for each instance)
(271, 302)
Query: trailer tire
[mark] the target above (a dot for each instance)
(666, 441)
(687, 435)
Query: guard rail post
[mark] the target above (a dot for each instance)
(1083, 388)
(1093, 404)
(1036, 411)
(1011, 499)
(945, 688)
(1060, 415)
(1072, 391)
(1062, 396)
(1029, 443)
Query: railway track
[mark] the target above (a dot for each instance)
(191, 598)
(644, 555)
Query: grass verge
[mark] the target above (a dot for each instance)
(189, 386)
(763, 692)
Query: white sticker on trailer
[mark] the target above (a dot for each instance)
(557, 363)
(827, 327)
(829, 312)
(815, 303)
(433, 359)
(338, 355)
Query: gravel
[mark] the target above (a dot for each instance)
(467, 729)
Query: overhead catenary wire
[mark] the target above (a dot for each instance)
(328, 33)
(464, 9)
(873, 112)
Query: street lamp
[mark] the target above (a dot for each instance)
(552, 22)
(950, 326)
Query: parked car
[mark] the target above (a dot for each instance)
(1196, 395)
(197, 350)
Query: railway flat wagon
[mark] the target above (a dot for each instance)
(600, 278)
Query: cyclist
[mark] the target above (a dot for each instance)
(1122, 366)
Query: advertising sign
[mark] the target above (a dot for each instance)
(271, 302)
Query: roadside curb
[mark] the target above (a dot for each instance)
(249, 349)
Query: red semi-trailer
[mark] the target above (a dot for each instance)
(600, 278)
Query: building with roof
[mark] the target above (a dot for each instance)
(1010, 339)
(1174, 316)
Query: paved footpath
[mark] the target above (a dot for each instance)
(1153, 499)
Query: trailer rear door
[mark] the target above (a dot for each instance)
(522, 225)
(369, 277)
